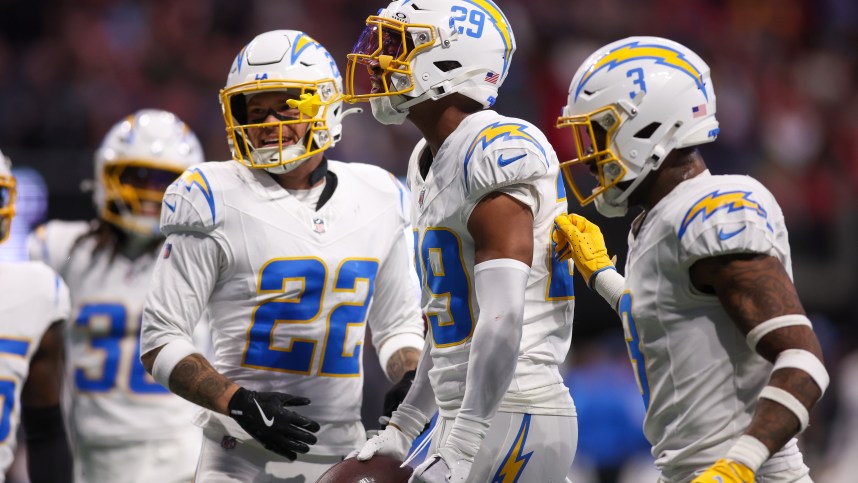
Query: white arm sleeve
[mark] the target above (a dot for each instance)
(499, 285)
(421, 395)
(181, 285)
(395, 318)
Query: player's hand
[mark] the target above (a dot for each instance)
(389, 442)
(577, 238)
(394, 397)
(445, 466)
(726, 471)
(265, 417)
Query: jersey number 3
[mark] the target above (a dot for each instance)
(310, 276)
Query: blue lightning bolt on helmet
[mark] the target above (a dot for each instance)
(630, 104)
(292, 62)
(7, 197)
(416, 50)
(137, 160)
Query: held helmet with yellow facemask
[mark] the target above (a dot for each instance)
(630, 104)
(138, 159)
(291, 62)
(7, 197)
(418, 50)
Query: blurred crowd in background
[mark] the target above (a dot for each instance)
(785, 73)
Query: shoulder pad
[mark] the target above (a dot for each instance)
(51, 242)
(191, 202)
(383, 181)
(503, 154)
(53, 294)
(720, 218)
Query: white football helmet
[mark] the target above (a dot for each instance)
(139, 157)
(7, 197)
(283, 60)
(630, 104)
(415, 50)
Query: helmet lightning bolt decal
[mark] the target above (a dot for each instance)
(501, 25)
(714, 201)
(514, 462)
(301, 43)
(195, 177)
(635, 51)
(501, 132)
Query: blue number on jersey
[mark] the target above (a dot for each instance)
(303, 308)
(560, 280)
(110, 344)
(633, 341)
(447, 278)
(14, 347)
(337, 360)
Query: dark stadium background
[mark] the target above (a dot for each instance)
(784, 71)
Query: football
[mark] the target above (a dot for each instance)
(378, 469)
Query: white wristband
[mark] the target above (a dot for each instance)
(760, 331)
(609, 284)
(788, 400)
(749, 451)
(169, 356)
(409, 420)
(804, 361)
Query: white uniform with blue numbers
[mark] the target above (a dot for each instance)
(533, 437)
(34, 297)
(487, 153)
(114, 402)
(699, 379)
(288, 288)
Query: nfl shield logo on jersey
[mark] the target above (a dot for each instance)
(421, 198)
(318, 225)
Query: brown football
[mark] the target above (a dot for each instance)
(378, 469)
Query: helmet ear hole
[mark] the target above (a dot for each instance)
(447, 65)
(648, 130)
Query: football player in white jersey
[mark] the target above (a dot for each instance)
(126, 427)
(486, 190)
(34, 307)
(727, 361)
(291, 254)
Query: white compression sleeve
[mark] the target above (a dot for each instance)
(500, 285)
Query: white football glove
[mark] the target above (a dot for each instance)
(445, 466)
(406, 423)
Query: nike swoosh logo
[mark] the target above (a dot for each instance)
(268, 422)
(727, 236)
(506, 162)
(718, 478)
(171, 207)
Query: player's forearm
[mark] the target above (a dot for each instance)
(421, 394)
(402, 361)
(500, 286)
(193, 378)
(773, 424)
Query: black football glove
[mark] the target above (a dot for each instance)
(394, 397)
(265, 417)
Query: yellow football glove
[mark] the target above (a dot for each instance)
(726, 471)
(577, 238)
(309, 104)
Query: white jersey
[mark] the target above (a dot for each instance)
(699, 379)
(486, 153)
(34, 297)
(113, 398)
(288, 289)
